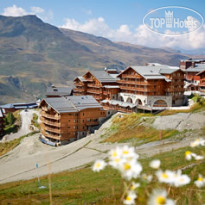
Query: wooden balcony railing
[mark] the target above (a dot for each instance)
(92, 122)
(51, 116)
(79, 84)
(131, 76)
(50, 122)
(94, 91)
(52, 136)
(78, 89)
(93, 85)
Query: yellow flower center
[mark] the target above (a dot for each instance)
(127, 166)
(161, 200)
(117, 160)
(164, 175)
(125, 152)
(200, 179)
(98, 165)
(128, 198)
(187, 153)
(114, 154)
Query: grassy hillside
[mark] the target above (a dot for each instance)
(34, 54)
(106, 187)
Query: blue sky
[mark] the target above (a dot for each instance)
(119, 20)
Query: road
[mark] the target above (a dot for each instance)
(19, 164)
(26, 117)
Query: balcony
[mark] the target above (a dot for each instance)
(50, 122)
(129, 82)
(94, 91)
(78, 90)
(131, 76)
(92, 123)
(50, 135)
(79, 84)
(50, 129)
(50, 116)
(135, 89)
(93, 85)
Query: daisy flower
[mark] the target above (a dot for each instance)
(155, 164)
(99, 165)
(200, 182)
(134, 186)
(147, 177)
(130, 169)
(188, 155)
(159, 197)
(130, 198)
(129, 153)
(181, 180)
(165, 176)
(198, 142)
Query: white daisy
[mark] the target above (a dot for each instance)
(188, 155)
(129, 153)
(130, 169)
(134, 186)
(159, 197)
(130, 198)
(181, 180)
(147, 177)
(155, 164)
(197, 142)
(200, 182)
(165, 176)
(99, 165)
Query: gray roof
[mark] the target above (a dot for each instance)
(59, 91)
(154, 72)
(72, 103)
(81, 78)
(195, 70)
(104, 77)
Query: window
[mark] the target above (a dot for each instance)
(83, 114)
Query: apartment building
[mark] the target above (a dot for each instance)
(100, 84)
(151, 87)
(64, 119)
(201, 85)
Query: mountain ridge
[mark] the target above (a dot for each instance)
(37, 54)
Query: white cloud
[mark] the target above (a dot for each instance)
(14, 11)
(34, 10)
(37, 10)
(141, 35)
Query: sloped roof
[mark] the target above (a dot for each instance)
(59, 91)
(154, 72)
(104, 77)
(72, 103)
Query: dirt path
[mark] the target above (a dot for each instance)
(26, 117)
(19, 164)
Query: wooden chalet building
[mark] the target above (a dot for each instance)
(201, 85)
(64, 119)
(100, 84)
(149, 88)
(1, 122)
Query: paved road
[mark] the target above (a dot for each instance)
(19, 164)
(26, 118)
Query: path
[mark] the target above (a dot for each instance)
(26, 117)
(19, 164)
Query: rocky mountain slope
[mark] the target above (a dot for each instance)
(34, 54)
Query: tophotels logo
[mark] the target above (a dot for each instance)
(173, 20)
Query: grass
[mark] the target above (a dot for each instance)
(34, 121)
(106, 187)
(8, 146)
(133, 128)
(13, 128)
